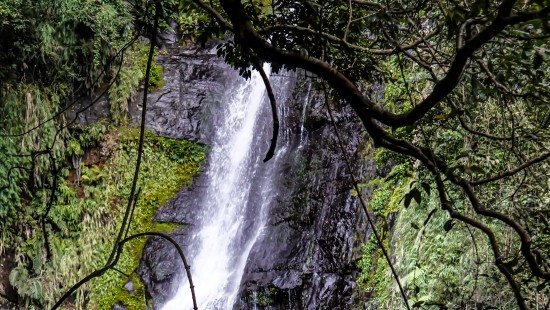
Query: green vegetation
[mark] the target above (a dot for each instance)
(87, 214)
(430, 262)
(182, 160)
(263, 298)
(463, 118)
(155, 81)
(440, 261)
(53, 51)
(61, 41)
(24, 107)
(62, 187)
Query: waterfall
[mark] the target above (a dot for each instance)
(303, 120)
(238, 188)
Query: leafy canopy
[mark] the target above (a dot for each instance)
(465, 97)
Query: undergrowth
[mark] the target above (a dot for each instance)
(87, 214)
(434, 269)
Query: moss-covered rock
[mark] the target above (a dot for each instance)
(87, 213)
(168, 165)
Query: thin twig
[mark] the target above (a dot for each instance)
(134, 204)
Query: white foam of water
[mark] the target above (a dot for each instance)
(216, 268)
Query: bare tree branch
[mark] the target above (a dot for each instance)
(273, 103)
(219, 18)
(343, 42)
(526, 165)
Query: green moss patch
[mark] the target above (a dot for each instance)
(167, 166)
(86, 216)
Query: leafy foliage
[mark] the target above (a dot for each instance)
(21, 168)
(465, 99)
(155, 80)
(55, 205)
(85, 217)
(60, 40)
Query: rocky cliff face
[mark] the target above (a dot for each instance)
(306, 256)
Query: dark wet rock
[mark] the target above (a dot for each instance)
(8, 294)
(316, 227)
(306, 257)
(194, 82)
(160, 266)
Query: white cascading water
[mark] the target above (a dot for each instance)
(216, 268)
(303, 120)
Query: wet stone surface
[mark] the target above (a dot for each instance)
(306, 256)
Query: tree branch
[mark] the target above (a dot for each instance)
(524, 236)
(513, 171)
(463, 54)
(343, 42)
(117, 249)
(273, 102)
(246, 34)
(446, 205)
(224, 23)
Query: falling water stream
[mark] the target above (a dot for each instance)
(237, 185)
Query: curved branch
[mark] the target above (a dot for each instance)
(180, 252)
(9, 176)
(495, 82)
(224, 23)
(249, 37)
(513, 171)
(463, 54)
(446, 205)
(117, 249)
(336, 40)
(369, 113)
(111, 265)
(158, 14)
(274, 114)
(435, 165)
(524, 236)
